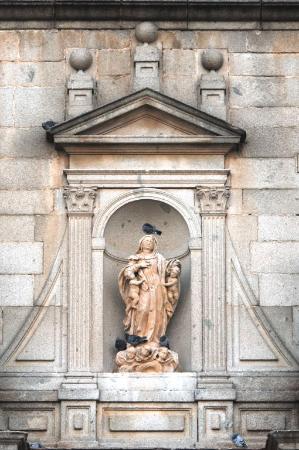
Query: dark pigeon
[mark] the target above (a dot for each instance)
(239, 441)
(48, 125)
(134, 340)
(120, 344)
(164, 341)
(147, 228)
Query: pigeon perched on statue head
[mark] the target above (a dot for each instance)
(147, 228)
(239, 441)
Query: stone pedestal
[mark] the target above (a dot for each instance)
(146, 67)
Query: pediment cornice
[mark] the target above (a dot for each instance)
(146, 121)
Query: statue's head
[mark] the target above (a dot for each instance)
(147, 242)
(131, 352)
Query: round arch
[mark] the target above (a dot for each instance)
(102, 217)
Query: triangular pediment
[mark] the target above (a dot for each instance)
(146, 118)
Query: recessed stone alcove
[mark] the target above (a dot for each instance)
(122, 233)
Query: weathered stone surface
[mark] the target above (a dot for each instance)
(50, 230)
(177, 39)
(295, 311)
(41, 45)
(265, 117)
(106, 39)
(234, 41)
(71, 38)
(271, 201)
(179, 62)
(13, 440)
(182, 88)
(16, 228)
(254, 173)
(259, 65)
(114, 62)
(7, 107)
(32, 74)
(21, 258)
(273, 41)
(28, 173)
(110, 89)
(22, 142)
(278, 228)
(9, 45)
(275, 257)
(243, 230)
(16, 290)
(159, 422)
(26, 202)
(279, 289)
(264, 91)
(36, 105)
(267, 142)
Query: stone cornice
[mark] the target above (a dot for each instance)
(183, 11)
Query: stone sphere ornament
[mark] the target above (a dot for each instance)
(146, 32)
(212, 59)
(80, 59)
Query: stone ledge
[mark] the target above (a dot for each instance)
(215, 394)
(160, 10)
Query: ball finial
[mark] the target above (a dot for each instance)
(146, 32)
(212, 59)
(80, 59)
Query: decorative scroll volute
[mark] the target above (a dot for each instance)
(79, 200)
(213, 200)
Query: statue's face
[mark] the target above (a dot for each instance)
(175, 271)
(148, 243)
(163, 352)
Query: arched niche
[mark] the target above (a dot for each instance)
(118, 231)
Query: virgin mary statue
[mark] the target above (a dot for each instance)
(149, 286)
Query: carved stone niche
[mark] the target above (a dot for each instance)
(145, 157)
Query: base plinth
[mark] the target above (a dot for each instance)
(148, 357)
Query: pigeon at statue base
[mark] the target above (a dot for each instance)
(239, 441)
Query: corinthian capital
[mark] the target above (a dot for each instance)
(79, 199)
(213, 200)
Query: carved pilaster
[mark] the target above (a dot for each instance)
(80, 203)
(213, 205)
(213, 200)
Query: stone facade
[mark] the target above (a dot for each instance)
(66, 198)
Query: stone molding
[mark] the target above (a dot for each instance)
(149, 178)
(213, 200)
(178, 10)
(79, 200)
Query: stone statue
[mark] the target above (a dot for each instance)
(150, 288)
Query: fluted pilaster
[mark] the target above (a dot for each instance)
(80, 202)
(213, 204)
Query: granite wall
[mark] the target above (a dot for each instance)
(261, 69)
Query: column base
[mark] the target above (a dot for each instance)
(79, 386)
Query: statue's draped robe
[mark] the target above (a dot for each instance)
(150, 317)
